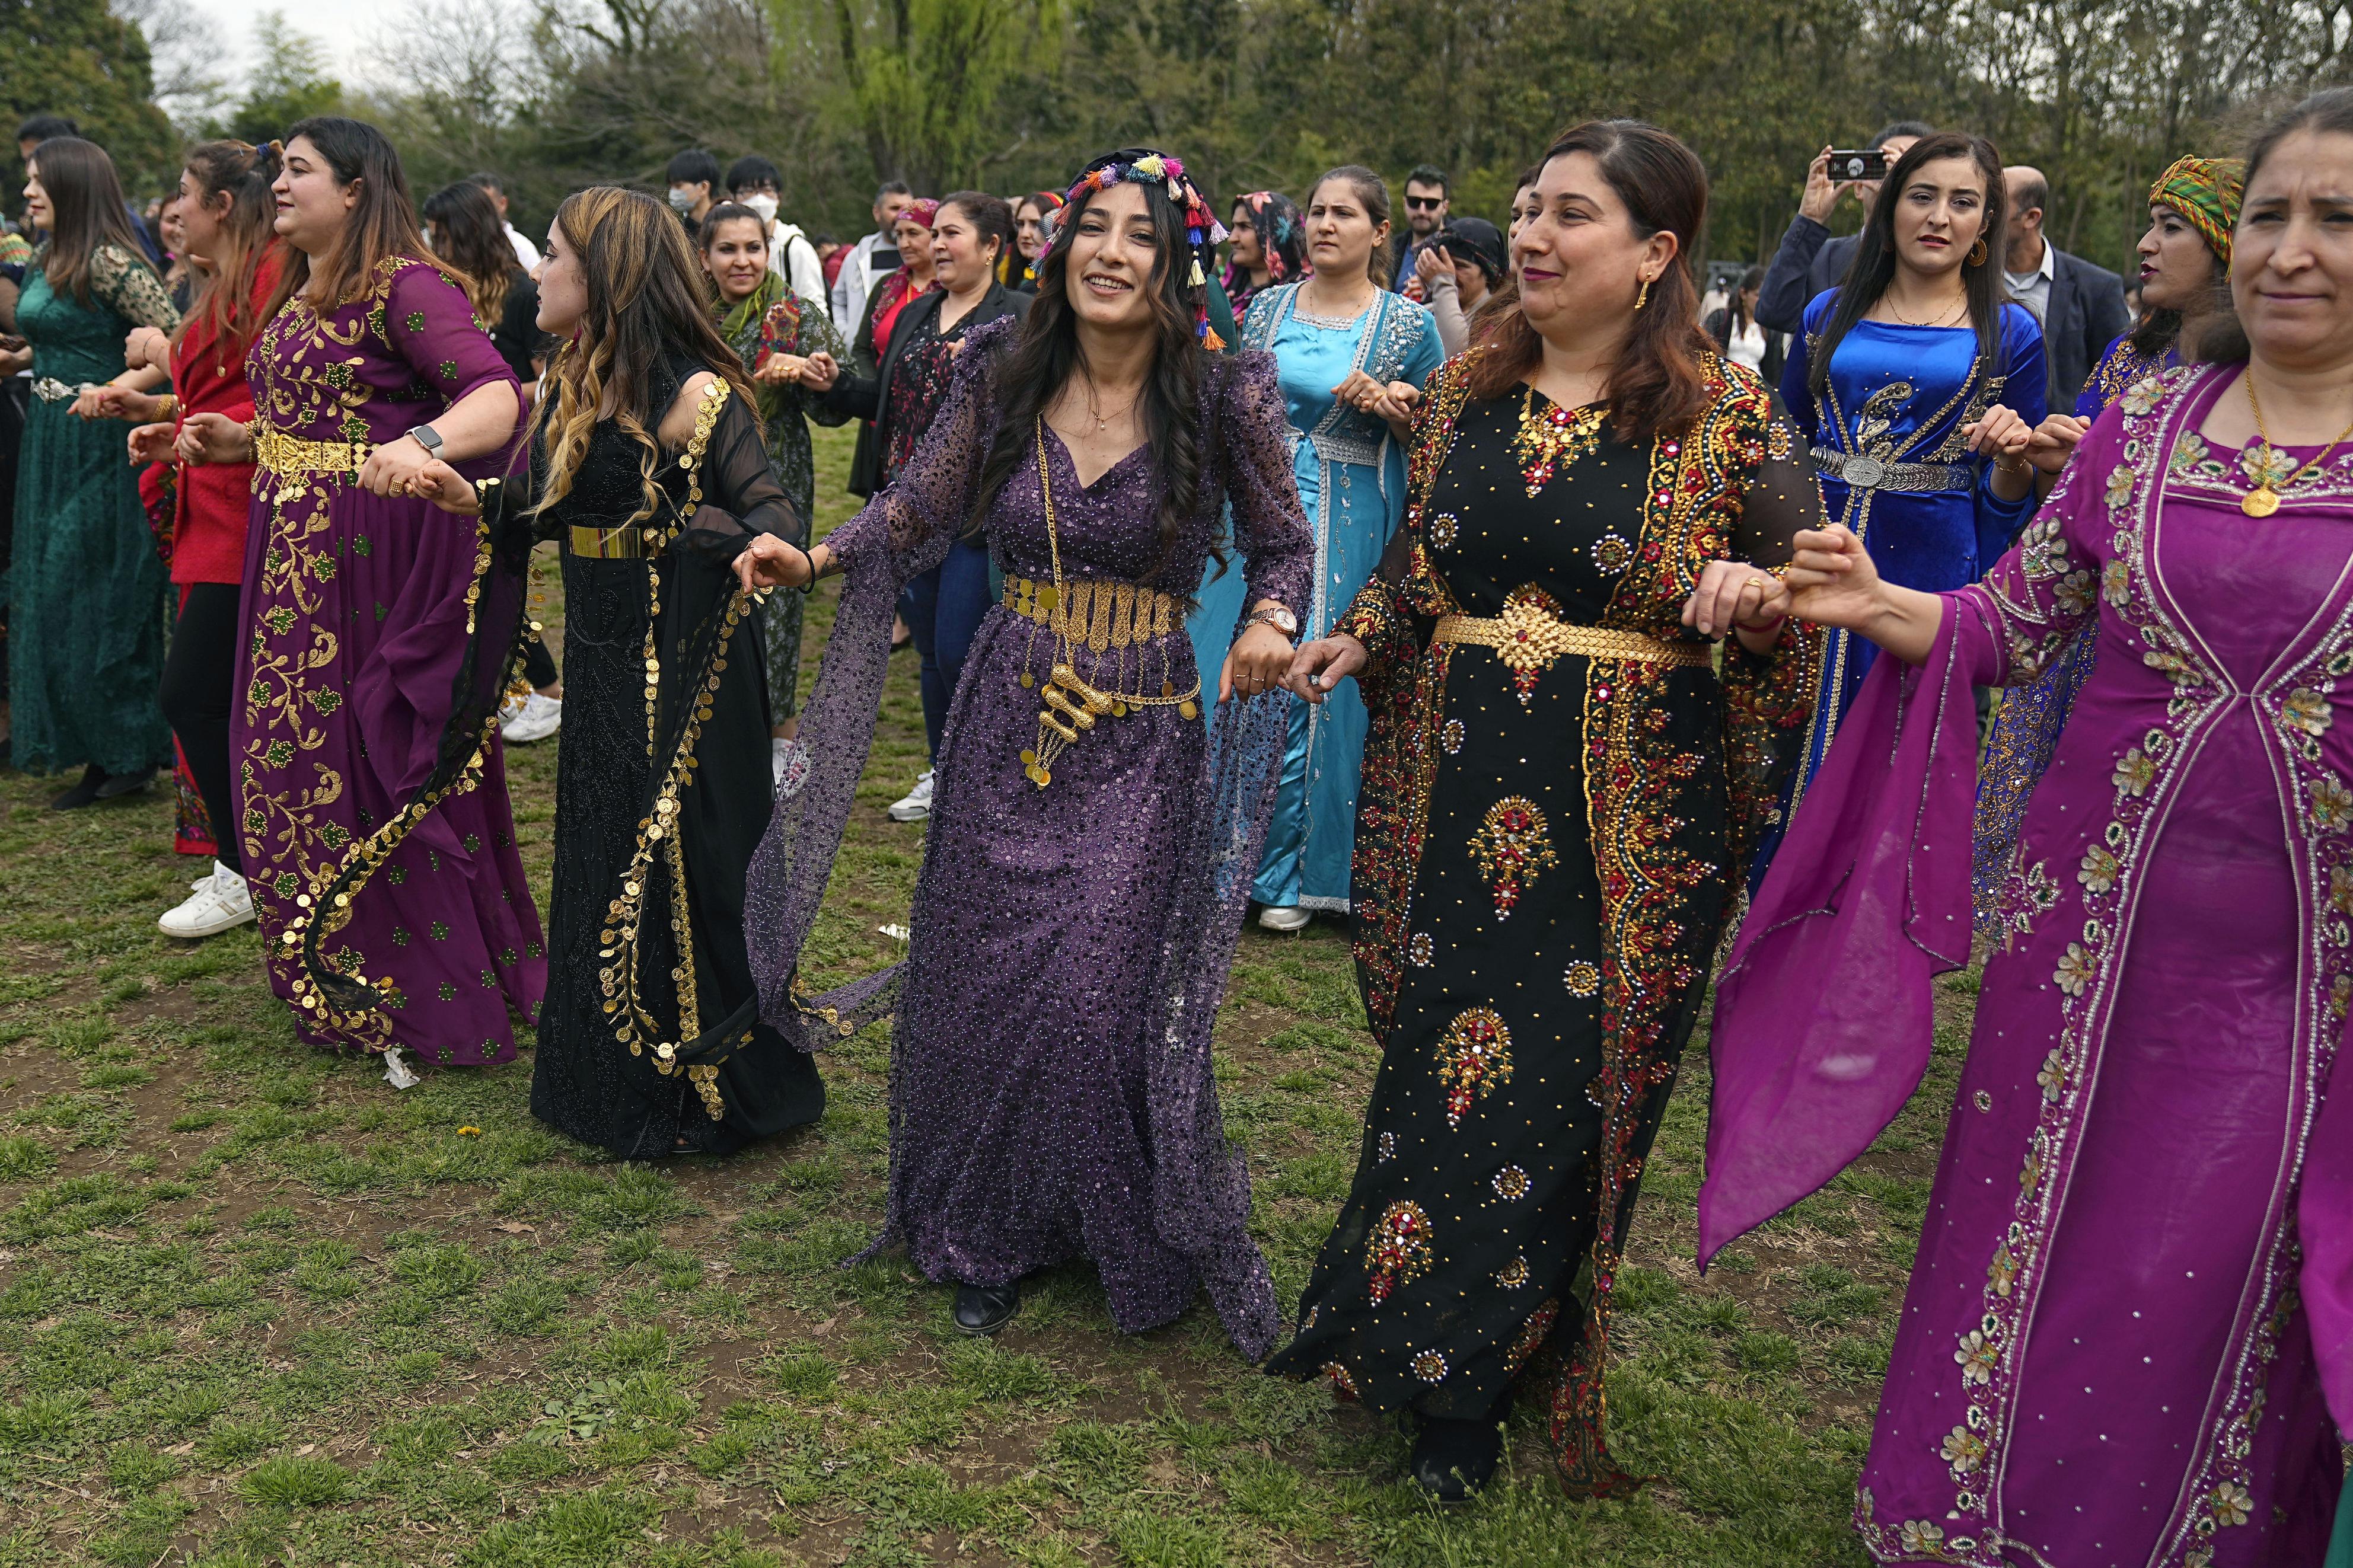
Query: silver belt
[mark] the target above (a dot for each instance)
(1872, 474)
(49, 389)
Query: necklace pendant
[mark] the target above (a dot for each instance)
(2261, 501)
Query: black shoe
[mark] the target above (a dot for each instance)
(117, 785)
(983, 1310)
(93, 778)
(1454, 1460)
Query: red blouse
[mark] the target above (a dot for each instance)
(208, 375)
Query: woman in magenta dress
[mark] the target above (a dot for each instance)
(373, 816)
(2128, 1337)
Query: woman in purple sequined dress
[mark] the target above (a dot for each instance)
(1097, 810)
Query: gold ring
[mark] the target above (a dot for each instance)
(1755, 583)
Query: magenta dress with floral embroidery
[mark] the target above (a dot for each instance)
(2128, 1338)
(365, 770)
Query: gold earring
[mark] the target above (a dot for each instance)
(1643, 297)
(1977, 252)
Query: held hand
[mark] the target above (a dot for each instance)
(2054, 442)
(819, 372)
(1321, 665)
(213, 438)
(1832, 579)
(781, 370)
(1999, 433)
(145, 348)
(1397, 402)
(445, 488)
(95, 403)
(1256, 663)
(1359, 391)
(391, 469)
(1734, 594)
(150, 444)
(769, 561)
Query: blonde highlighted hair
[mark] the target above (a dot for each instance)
(649, 304)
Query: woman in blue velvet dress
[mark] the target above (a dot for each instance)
(1343, 347)
(1918, 388)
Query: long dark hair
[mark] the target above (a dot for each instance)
(468, 235)
(1875, 256)
(1048, 355)
(223, 307)
(381, 225)
(1655, 386)
(86, 212)
(649, 304)
(2326, 112)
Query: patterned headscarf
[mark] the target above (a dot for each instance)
(2205, 192)
(1280, 234)
(1203, 232)
(923, 212)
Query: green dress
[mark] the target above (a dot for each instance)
(773, 320)
(90, 599)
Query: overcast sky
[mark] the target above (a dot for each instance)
(342, 26)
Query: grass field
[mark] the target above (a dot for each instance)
(258, 1307)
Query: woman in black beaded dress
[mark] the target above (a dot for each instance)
(1559, 792)
(647, 465)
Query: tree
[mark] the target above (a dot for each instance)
(77, 59)
(190, 60)
(289, 82)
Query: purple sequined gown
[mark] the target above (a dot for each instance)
(1052, 1093)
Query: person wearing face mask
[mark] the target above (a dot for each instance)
(1053, 1092)
(1559, 790)
(378, 842)
(2137, 1263)
(1461, 269)
(755, 182)
(1918, 384)
(775, 330)
(942, 606)
(1351, 356)
(646, 463)
(1809, 260)
(694, 186)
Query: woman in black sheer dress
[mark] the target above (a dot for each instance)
(649, 1041)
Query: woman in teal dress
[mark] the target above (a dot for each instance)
(1349, 354)
(90, 594)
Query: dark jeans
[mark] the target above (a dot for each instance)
(943, 609)
(200, 685)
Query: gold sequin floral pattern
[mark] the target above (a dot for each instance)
(1612, 555)
(1513, 847)
(1474, 1054)
(1512, 1183)
(1430, 1366)
(1583, 979)
(1443, 528)
(1398, 1250)
(1550, 442)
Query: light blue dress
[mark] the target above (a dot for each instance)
(1350, 477)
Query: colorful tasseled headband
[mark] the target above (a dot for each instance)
(1203, 232)
(2205, 192)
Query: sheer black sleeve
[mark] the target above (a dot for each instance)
(1782, 497)
(740, 496)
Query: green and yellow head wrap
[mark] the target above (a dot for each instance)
(2205, 192)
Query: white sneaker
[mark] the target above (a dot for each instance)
(1292, 918)
(220, 902)
(533, 717)
(791, 760)
(916, 805)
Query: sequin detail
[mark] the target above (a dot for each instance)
(1430, 1366)
(1387, 1147)
(1443, 529)
(1581, 978)
(1532, 1334)
(1474, 1054)
(1420, 950)
(1513, 847)
(1548, 442)
(1513, 1275)
(1612, 555)
(1451, 736)
(1511, 1182)
(1344, 1386)
(1398, 1250)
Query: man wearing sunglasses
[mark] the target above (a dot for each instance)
(1425, 192)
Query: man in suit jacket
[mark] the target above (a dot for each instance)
(2081, 307)
(1809, 260)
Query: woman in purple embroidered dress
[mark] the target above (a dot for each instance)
(372, 810)
(2128, 1337)
(1091, 834)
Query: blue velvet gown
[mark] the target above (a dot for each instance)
(1900, 395)
(1351, 479)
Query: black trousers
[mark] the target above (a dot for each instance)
(200, 685)
(538, 664)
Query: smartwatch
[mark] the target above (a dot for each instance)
(428, 437)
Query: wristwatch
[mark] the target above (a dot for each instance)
(1274, 615)
(428, 437)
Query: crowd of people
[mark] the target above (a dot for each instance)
(1582, 640)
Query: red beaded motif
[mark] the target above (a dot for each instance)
(1474, 1054)
(1513, 847)
(1400, 1248)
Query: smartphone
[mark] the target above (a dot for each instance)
(885, 259)
(1859, 163)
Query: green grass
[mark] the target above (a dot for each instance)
(257, 1307)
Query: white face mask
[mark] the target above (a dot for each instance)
(763, 204)
(681, 198)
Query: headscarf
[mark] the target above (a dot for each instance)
(1281, 238)
(1203, 232)
(2205, 192)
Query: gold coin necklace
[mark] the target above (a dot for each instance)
(2265, 498)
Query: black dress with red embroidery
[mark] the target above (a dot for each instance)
(1480, 1185)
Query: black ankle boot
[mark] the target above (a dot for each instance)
(117, 785)
(1453, 1461)
(983, 1310)
(93, 778)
